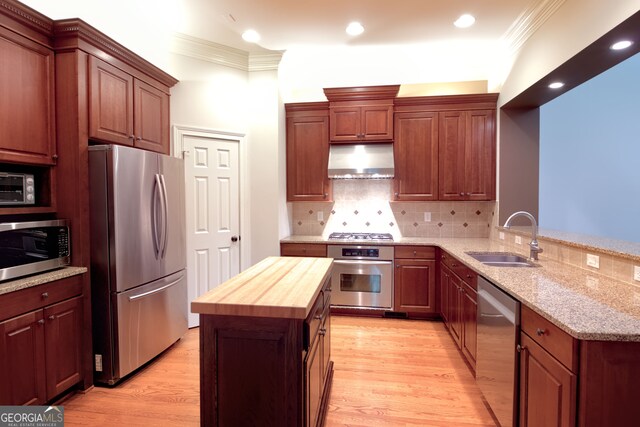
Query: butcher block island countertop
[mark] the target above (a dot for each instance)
(277, 287)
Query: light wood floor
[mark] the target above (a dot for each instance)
(388, 372)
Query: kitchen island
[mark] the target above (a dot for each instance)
(265, 345)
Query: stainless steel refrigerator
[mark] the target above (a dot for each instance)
(138, 276)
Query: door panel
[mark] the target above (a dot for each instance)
(213, 212)
(172, 171)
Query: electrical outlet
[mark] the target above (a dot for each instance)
(320, 216)
(593, 261)
(518, 240)
(427, 217)
(98, 362)
(636, 272)
(501, 235)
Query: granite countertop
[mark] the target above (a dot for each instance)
(276, 287)
(39, 279)
(585, 305)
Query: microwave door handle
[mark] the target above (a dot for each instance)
(165, 213)
(154, 215)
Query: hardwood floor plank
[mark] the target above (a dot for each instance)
(388, 372)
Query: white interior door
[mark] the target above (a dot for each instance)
(212, 197)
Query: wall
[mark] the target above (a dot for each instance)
(589, 155)
(364, 206)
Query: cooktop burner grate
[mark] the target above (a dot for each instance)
(361, 236)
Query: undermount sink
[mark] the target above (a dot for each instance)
(501, 259)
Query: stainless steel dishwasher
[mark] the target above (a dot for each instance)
(496, 359)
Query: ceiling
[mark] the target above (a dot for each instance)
(286, 24)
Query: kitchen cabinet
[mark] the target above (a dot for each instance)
(548, 383)
(27, 105)
(361, 121)
(414, 281)
(308, 152)
(467, 155)
(415, 153)
(40, 350)
(125, 110)
(459, 300)
(303, 249)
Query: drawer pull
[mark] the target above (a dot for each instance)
(322, 331)
(41, 322)
(540, 332)
(45, 295)
(52, 317)
(521, 348)
(415, 253)
(454, 265)
(318, 316)
(469, 276)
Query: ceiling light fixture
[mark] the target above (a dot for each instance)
(623, 44)
(465, 21)
(556, 85)
(355, 29)
(251, 36)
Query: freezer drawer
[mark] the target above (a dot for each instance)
(150, 318)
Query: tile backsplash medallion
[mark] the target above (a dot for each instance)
(364, 205)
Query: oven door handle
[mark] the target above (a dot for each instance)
(361, 262)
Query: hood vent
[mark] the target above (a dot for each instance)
(361, 161)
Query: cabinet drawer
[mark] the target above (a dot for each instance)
(35, 297)
(558, 343)
(314, 321)
(461, 270)
(426, 252)
(303, 249)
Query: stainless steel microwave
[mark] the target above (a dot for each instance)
(17, 189)
(33, 247)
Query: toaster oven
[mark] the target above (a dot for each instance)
(17, 189)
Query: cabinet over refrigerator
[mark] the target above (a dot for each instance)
(139, 286)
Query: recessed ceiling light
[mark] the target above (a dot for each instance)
(251, 36)
(623, 44)
(556, 85)
(355, 29)
(465, 21)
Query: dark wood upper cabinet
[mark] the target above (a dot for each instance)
(27, 104)
(415, 153)
(125, 110)
(308, 152)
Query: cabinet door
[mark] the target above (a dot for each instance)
(451, 155)
(151, 118)
(416, 156)
(376, 123)
(470, 324)
(307, 159)
(63, 345)
(27, 114)
(22, 360)
(547, 388)
(479, 155)
(345, 124)
(110, 104)
(444, 294)
(414, 286)
(314, 381)
(455, 309)
(326, 342)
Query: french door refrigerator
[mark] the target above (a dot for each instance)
(139, 286)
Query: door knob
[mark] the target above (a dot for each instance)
(235, 238)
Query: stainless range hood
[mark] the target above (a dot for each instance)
(353, 161)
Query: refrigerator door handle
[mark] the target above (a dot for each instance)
(165, 220)
(154, 215)
(155, 291)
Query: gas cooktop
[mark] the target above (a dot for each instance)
(361, 236)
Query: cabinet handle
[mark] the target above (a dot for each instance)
(318, 316)
(415, 253)
(138, 138)
(397, 265)
(132, 137)
(41, 322)
(325, 195)
(521, 348)
(454, 265)
(396, 194)
(462, 193)
(469, 276)
(540, 332)
(468, 194)
(52, 317)
(322, 331)
(45, 295)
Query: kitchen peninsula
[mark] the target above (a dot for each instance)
(265, 345)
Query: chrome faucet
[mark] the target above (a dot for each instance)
(535, 249)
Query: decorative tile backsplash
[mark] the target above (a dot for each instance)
(365, 206)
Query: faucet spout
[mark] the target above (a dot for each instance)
(533, 245)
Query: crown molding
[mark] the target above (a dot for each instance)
(194, 47)
(529, 22)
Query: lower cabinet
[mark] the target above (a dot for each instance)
(458, 305)
(40, 353)
(317, 367)
(414, 280)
